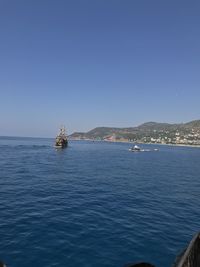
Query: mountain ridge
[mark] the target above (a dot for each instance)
(147, 132)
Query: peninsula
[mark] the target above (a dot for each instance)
(149, 132)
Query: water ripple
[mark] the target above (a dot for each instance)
(95, 204)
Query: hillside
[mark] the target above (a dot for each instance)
(149, 132)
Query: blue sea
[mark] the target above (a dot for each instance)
(96, 204)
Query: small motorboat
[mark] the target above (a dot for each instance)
(135, 149)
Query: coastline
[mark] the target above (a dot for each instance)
(130, 142)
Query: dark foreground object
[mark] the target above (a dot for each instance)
(142, 264)
(2, 264)
(191, 256)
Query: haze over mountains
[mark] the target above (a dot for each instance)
(149, 132)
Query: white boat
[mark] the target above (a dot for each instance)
(135, 149)
(138, 149)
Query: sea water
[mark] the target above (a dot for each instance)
(96, 204)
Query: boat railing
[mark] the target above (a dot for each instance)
(191, 256)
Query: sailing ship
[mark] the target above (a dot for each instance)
(61, 139)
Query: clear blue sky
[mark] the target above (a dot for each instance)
(92, 63)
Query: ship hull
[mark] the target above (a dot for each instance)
(61, 146)
(191, 256)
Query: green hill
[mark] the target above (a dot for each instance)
(147, 132)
